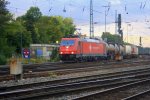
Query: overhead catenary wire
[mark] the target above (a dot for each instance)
(83, 7)
(50, 8)
(73, 5)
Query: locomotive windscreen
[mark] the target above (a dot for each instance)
(67, 42)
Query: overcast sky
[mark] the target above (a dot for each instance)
(137, 12)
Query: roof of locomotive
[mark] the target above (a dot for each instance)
(86, 39)
(89, 40)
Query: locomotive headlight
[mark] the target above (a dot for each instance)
(67, 47)
(72, 52)
(61, 52)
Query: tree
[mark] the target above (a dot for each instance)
(18, 36)
(33, 14)
(5, 17)
(30, 18)
(60, 27)
(42, 26)
(29, 28)
(112, 38)
(56, 30)
(69, 26)
(52, 29)
(46, 29)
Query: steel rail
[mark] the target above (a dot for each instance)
(136, 96)
(67, 87)
(81, 78)
(111, 89)
(58, 65)
(62, 70)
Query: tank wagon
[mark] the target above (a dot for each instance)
(87, 49)
(115, 51)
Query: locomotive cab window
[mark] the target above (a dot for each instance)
(67, 42)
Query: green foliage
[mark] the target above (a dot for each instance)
(46, 29)
(5, 17)
(34, 61)
(112, 38)
(69, 26)
(52, 74)
(3, 59)
(18, 35)
(42, 28)
(33, 14)
(126, 43)
(29, 20)
(5, 51)
(52, 29)
(30, 28)
(55, 55)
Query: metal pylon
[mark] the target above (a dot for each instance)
(91, 19)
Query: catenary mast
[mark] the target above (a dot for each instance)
(91, 19)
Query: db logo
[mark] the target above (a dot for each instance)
(26, 53)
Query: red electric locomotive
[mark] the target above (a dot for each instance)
(82, 49)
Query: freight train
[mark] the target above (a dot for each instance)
(79, 49)
(144, 51)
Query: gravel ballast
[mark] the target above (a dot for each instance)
(54, 77)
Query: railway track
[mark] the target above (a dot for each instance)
(59, 69)
(145, 95)
(4, 70)
(74, 86)
(123, 92)
(69, 68)
(81, 78)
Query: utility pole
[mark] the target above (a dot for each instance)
(91, 19)
(140, 41)
(119, 22)
(105, 16)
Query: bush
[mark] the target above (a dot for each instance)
(34, 60)
(3, 60)
(55, 55)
